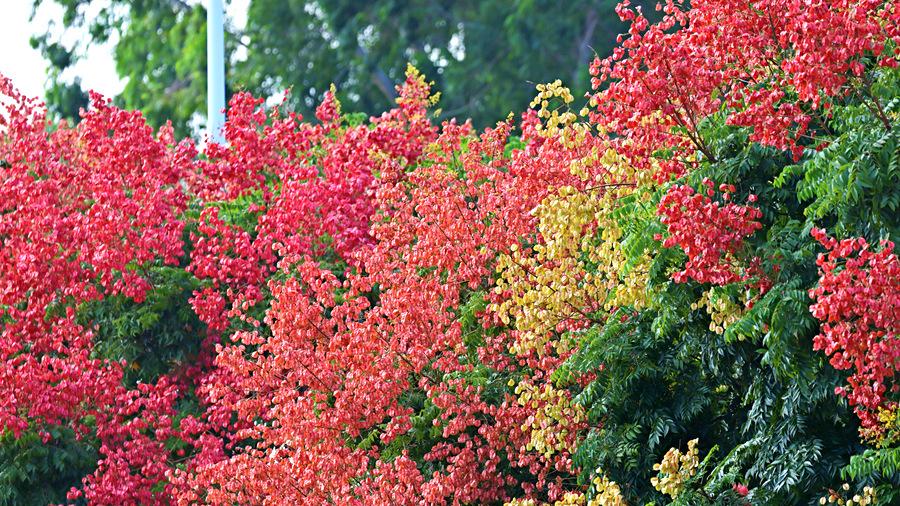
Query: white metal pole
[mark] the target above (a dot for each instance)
(215, 71)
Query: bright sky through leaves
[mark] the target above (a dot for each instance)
(97, 70)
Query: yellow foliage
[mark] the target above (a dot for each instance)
(413, 73)
(675, 469)
(568, 499)
(554, 416)
(575, 270)
(887, 432)
(606, 493)
(553, 101)
(521, 502)
(723, 311)
(550, 285)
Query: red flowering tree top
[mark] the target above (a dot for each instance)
(85, 211)
(774, 64)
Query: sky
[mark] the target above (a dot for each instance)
(97, 69)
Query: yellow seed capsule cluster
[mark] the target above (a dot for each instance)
(632, 289)
(607, 256)
(521, 502)
(675, 469)
(553, 416)
(837, 497)
(579, 266)
(337, 103)
(550, 284)
(606, 492)
(413, 73)
(563, 219)
(553, 103)
(604, 166)
(887, 432)
(575, 269)
(568, 499)
(609, 261)
(543, 296)
(722, 309)
(620, 171)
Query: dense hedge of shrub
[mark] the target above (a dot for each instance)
(684, 292)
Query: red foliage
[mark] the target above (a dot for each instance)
(364, 241)
(858, 302)
(709, 233)
(83, 212)
(775, 63)
(336, 372)
(325, 185)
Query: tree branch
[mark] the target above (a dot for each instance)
(583, 48)
(379, 78)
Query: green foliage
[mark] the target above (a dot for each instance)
(154, 335)
(853, 184)
(758, 391)
(880, 466)
(483, 56)
(32, 472)
(64, 99)
(162, 53)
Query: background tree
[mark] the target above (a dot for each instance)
(484, 56)
(160, 52)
